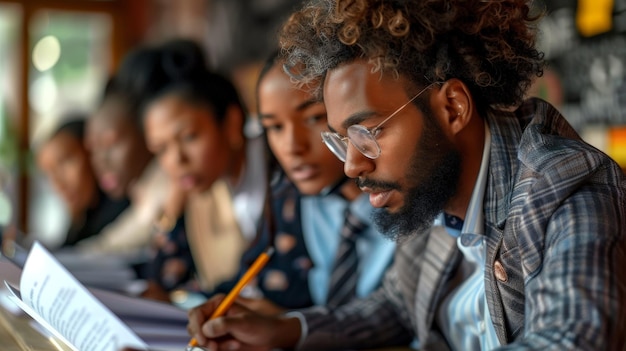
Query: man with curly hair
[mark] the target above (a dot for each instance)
(512, 230)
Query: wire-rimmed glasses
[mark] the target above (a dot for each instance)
(362, 138)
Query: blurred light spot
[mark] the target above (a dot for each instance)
(596, 135)
(46, 53)
(594, 17)
(43, 93)
(617, 145)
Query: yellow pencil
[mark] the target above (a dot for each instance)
(228, 301)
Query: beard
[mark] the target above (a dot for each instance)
(434, 171)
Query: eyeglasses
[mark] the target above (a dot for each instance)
(362, 138)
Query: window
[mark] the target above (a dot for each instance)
(55, 57)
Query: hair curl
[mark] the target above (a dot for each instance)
(488, 44)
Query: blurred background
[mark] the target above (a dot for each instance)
(55, 56)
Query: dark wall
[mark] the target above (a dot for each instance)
(590, 66)
(244, 31)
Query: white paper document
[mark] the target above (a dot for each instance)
(59, 302)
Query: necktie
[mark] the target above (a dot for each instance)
(343, 278)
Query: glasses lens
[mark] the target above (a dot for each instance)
(364, 141)
(336, 145)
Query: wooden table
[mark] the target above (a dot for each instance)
(17, 334)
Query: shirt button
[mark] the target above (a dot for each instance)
(481, 327)
(500, 272)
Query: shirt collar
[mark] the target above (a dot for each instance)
(474, 217)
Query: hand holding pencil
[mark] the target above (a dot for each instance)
(228, 301)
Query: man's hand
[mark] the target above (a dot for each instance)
(241, 328)
(261, 306)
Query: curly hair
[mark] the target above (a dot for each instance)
(488, 44)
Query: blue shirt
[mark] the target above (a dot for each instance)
(463, 316)
(322, 219)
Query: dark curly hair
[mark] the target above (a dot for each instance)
(488, 44)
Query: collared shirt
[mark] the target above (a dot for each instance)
(464, 316)
(322, 219)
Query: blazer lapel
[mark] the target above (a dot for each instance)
(440, 258)
(506, 132)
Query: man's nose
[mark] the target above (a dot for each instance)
(357, 164)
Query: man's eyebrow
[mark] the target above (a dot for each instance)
(354, 119)
(357, 118)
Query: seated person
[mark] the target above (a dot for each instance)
(124, 168)
(64, 160)
(194, 125)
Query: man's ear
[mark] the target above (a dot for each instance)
(455, 106)
(233, 127)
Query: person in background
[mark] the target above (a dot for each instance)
(512, 227)
(65, 162)
(194, 125)
(125, 168)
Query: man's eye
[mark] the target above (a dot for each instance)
(374, 132)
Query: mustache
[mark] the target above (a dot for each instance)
(377, 184)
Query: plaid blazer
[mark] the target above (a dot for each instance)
(555, 222)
